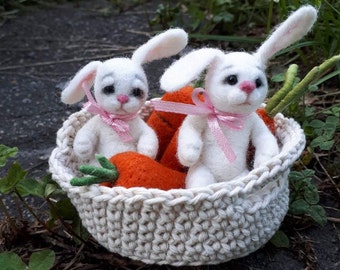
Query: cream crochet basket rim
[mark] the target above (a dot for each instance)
(209, 225)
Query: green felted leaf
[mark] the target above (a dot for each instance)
(42, 260)
(87, 180)
(98, 172)
(105, 163)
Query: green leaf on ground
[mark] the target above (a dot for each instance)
(280, 240)
(5, 153)
(11, 261)
(42, 260)
(318, 214)
(15, 174)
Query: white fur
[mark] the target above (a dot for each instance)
(197, 147)
(125, 75)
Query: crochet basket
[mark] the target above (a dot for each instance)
(207, 225)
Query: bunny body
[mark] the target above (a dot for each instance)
(120, 90)
(198, 149)
(197, 146)
(97, 137)
(235, 84)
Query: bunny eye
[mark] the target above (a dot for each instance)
(231, 79)
(110, 89)
(137, 92)
(258, 83)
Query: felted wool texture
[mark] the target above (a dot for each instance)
(120, 89)
(169, 158)
(136, 170)
(165, 124)
(236, 84)
(201, 226)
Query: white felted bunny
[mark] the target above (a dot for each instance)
(120, 89)
(214, 141)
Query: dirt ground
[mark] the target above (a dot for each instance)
(42, 48)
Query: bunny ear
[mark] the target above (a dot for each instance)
(163, 45)
(74, 91)
(291, 30)
(188, 68)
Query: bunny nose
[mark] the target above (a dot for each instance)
(122, 98)
(247, 87)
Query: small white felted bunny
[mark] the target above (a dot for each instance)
(120, 89)
(214, 138)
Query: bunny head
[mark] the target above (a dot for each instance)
(236, 81)
(120, 84)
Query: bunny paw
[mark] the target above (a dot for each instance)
(149, 151)
(83, 149)
(189, 154)
(262, 159)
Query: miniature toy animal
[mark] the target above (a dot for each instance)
(120, 89)
(214, 143)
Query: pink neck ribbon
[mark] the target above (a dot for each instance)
(117, 122)
(216, 118)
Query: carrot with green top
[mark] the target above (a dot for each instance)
(130, 169)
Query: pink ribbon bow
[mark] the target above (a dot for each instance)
(215, 117)
(115, 121)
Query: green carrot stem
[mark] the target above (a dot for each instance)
(98, 172)
(105, 163)
(302, 87)
(86, 180)
(290, 76)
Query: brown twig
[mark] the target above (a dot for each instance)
(327, 174)
(333, 219)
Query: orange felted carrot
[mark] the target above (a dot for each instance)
(165, 124)
(169, 158)
(269, 121)
(130, 169)
(139, 170)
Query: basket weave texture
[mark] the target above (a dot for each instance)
(207, 225)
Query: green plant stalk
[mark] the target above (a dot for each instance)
(64, 224)
(302, 87)
(286, 88)
(7, 214)
(29, 208)
(270, 15)
(241, 39)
